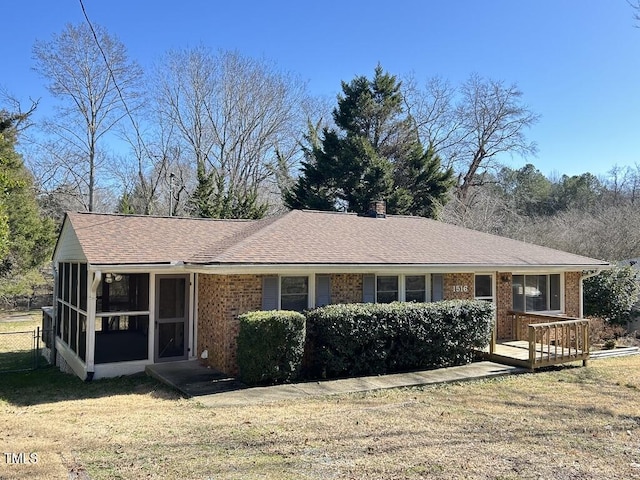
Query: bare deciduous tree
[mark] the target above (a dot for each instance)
(471, 126)
(236, 116)
(91, 76)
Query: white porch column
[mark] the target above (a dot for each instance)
(91, 319)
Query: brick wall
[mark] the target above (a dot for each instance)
(504, 303)
(346, 288)
(572, 293)
(221, 298)
(454, 280)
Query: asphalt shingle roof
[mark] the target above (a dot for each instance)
(304, 237)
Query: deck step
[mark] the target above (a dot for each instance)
(614, 352)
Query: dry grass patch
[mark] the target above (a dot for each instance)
(572, 423)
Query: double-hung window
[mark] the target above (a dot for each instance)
(387, 289)
(285, 293)
(294, 293)
(415, 288)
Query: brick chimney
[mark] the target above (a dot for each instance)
(377, 209)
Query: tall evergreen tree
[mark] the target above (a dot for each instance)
(26, 238)
(373, 154)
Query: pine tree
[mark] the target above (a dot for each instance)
(374, 154)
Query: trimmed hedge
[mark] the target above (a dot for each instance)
(367, 339)
(270, 346)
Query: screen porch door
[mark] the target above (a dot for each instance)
(172, 318)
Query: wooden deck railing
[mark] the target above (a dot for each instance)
(552, 342)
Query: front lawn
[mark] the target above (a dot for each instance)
(573, 423)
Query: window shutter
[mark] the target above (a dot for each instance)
(270, 293)
(369, 288)
(437, 287)
(323, 290)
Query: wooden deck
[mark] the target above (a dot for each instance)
(516, 353)
(541, 343)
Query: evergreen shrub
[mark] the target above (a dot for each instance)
(369, 339)
(270, 346)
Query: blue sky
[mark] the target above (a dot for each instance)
(577, 62)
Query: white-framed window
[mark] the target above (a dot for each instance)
(415, 288)
(387, 288)
(483, 287)
(285, 293)
(294, 293)
(407, 288)
(537, 293)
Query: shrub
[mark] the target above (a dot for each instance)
(612, 294)
(364, 339)
(601, 331)
(270, 346)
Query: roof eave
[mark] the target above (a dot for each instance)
(272, 268)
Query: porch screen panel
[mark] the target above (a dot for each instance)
(74, 284)
(172, 302)
(82, 337)
(83, 286)
(71, 306)
(125, 340)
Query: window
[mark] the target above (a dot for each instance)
(536, 293)
(294, 293)
(387, 289)
(484, 287)
(415, 288)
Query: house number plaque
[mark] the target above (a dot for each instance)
(460, 288)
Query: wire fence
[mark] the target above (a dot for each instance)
(22, 351)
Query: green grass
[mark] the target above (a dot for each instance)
(17, 342)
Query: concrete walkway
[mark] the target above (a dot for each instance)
(259, 395)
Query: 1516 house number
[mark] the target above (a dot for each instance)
(460, 288)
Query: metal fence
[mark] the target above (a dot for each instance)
(22, 351)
